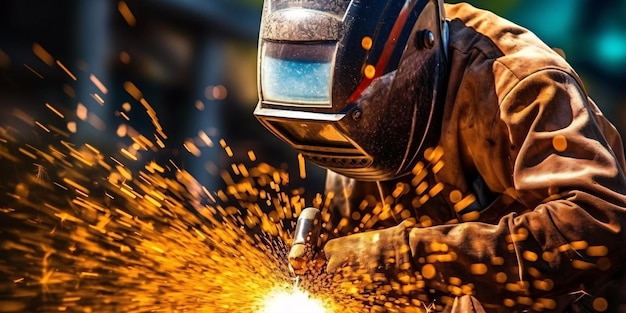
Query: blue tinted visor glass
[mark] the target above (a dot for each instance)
(297, 74)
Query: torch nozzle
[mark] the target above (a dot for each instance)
(305, 240)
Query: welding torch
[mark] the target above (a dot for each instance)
(305, 250)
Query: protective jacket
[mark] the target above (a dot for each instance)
(522, 205)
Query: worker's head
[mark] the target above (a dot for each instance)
(353, 85)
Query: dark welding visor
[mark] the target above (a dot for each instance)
(296, 73)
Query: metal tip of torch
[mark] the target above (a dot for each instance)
(296, 282)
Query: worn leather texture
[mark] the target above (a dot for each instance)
(550, 237)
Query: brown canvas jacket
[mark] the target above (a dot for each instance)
(522, 205)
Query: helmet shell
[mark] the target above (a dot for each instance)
(353, 85)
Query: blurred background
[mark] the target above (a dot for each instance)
(194, 61)
(182, 73)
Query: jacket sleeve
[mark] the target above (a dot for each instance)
(355, 206)
(566, 173)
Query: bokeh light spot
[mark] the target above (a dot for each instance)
(124, 57)
(478, 269)
(456, 196)
(72, 127)
(559, 142)
(369, 71)
(429, 271)
(366, 43)
(611, 48)
(600, 304)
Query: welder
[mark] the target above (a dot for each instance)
(469, 169)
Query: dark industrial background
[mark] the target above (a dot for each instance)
(180, 53)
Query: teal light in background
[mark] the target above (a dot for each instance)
(555, 21)
(610, 47)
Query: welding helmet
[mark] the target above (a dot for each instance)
(353, 85)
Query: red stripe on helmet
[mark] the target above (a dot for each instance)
(390, 45)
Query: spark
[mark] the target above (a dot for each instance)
(42, 126)
(98, 84)
(251, 155)
(205, 138)
(75, 185)
(60, 186)
(27, 153)
(128, 154)
(33, 71)
(126, 13)
(191, 147)
(98, 98)
(51, 108)
(40, 172)
(43, 54)
(132, 90)
(124, 116)
(66, 70)
(301, 166)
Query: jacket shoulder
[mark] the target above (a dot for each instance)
(484, 40)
